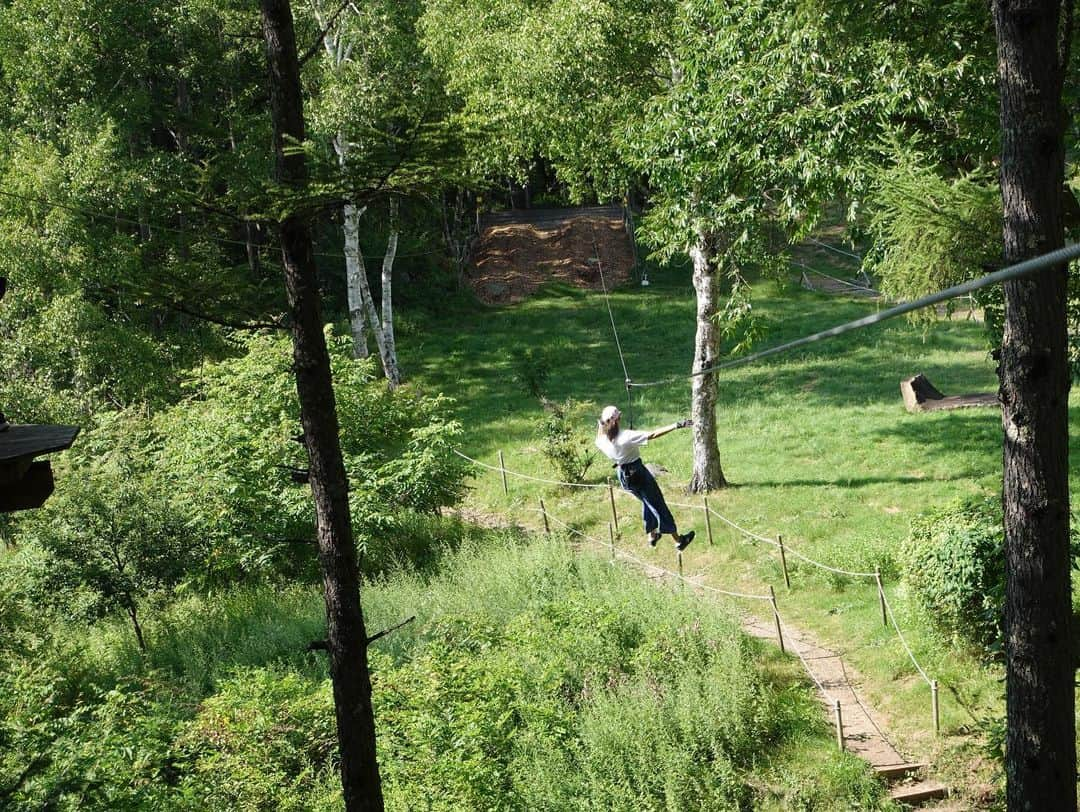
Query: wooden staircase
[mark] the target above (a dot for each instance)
(909, 786)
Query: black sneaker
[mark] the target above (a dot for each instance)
(653, 538)
(684, 541)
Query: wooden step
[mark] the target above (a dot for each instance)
(892, 772)
(916, 794)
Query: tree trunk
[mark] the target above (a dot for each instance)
(354, 273)
(133, 613)
(1040, 756)
(388, 346)
(346, 635)
(707, 474)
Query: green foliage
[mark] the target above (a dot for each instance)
(532, 369)
(111, 540)
(225, 452)
(955, 564)
(931, 232)
(265, 740)
(561, 441)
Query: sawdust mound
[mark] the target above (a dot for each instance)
(512, 260)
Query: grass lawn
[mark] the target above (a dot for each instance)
(817, 444)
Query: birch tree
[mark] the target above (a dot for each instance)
(376, 90)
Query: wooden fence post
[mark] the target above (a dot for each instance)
(839, 725)
(614, 515)
(502, 467)
(543, 512)
(783, 561)
(776, 617)
(708, 520)
(678, 556)
(611, 541)
(881, 596)
(934, 702)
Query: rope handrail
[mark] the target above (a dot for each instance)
(794, 645)
(526, 476)
(1025, 268)
(696, 584)
(787, 549)
(646, 565)
(903, 641)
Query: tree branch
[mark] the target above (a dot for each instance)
(180, 307)
(330, 22)
(385, 632)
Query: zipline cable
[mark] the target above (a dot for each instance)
(614, 329)
(1020, 269)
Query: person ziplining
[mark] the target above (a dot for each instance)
(622, 447)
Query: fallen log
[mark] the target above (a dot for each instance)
(922, 396)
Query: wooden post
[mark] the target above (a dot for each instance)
(708, 520)
(502, 468)
(611, 541)
(783, 562)
(934, 702)
(678, 556)
(614, 515)
(776, 617)
(839, 725)
(543, 512)
(881, 596)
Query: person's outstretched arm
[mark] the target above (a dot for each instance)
(660, 432)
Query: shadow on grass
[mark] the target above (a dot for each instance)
(471, 359)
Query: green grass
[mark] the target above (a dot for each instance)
(531, 679)
(816, 443)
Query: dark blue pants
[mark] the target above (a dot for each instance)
(638, 480)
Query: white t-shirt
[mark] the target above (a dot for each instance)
(624, 448)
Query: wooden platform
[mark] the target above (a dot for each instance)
(34, 441)
(24, 483)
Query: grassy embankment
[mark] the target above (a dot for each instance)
(817, 446)
(531, 679)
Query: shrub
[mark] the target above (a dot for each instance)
(110, 540)
(266, 740)
(561, 444)
(955, 564)
(531, 371)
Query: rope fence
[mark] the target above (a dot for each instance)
(782, 633)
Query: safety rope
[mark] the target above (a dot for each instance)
(903, 641)
(1020, 269)
(614, 329)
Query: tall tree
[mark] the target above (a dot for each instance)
(1033, 51)
(346, 636)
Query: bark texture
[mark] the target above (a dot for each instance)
(346, 635)
(707, 474)
(1032, 40)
